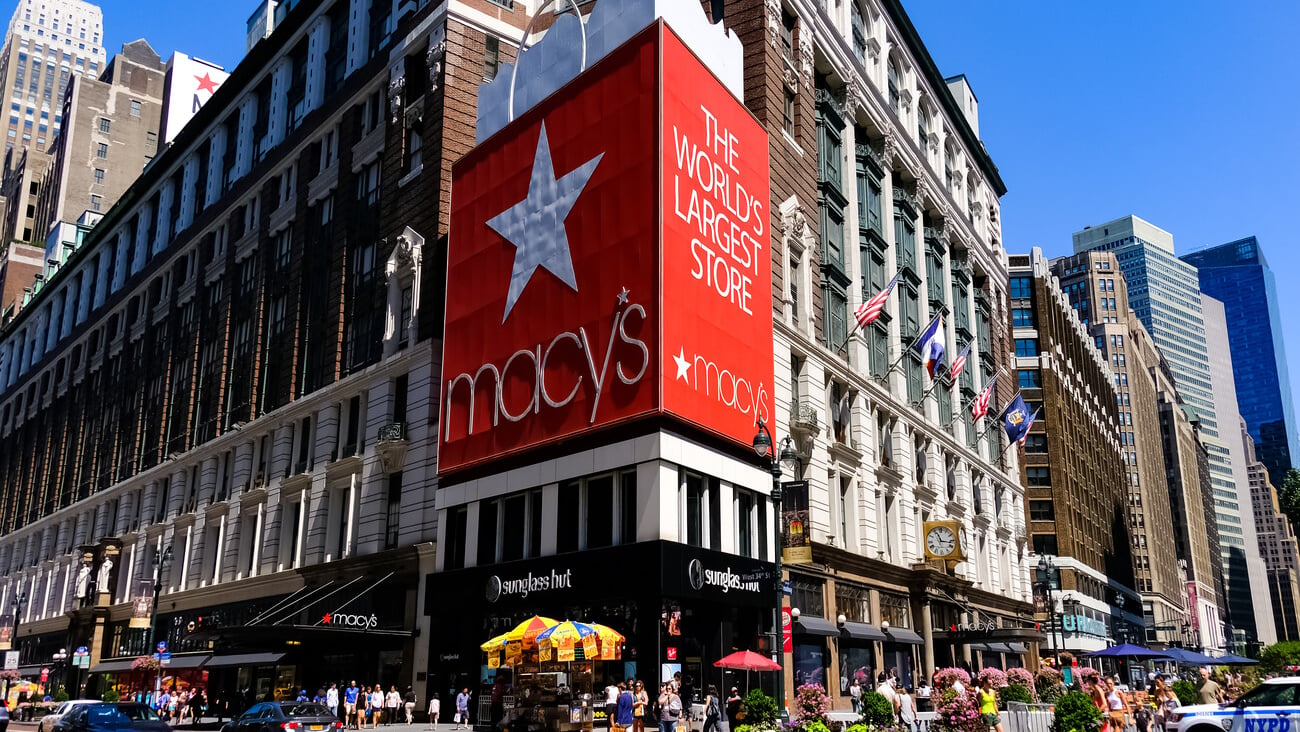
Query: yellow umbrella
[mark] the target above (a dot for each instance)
(606, 632)
(496, 644)
(566, 633)
(527, 631)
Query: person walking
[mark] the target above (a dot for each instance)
(392, 702)
(670, 709)
(734, 705)
(1116, 707)
(332, 700)
(623, 711)
(886, 689)
(712, 710)
(350, 705)
(376, 705)
(855, 694)
(435, 710)
(462, 708)
(1208, 690)
(409, 700)
(907, 708)
(988, 701)
(640, 702)
(611, 702)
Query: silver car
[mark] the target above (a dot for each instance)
(48, 721)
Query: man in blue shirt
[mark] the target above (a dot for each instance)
(350, 704)
(462, 709)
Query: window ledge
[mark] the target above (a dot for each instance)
(794, 144)
(415, 173)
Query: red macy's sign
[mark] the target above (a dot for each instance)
(608, 261)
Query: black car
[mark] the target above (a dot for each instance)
(110, 717)
(284, 716)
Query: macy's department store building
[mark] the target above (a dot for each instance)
(606, 359)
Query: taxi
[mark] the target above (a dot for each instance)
(1273, 706)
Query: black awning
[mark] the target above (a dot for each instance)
(243, 659)
(190, 661)
(806, 625)
(999, 648)
(1018, 648)
(903, 635)
(863, 631)
(112, 667)
(979, 647)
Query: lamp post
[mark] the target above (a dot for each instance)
(159, 561)
(61, 663)
(1046, 567)
(763, 447)
(19, 599)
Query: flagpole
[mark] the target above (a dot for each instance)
(998, 418)
(848, 338)
(937, 381)
(964, 407)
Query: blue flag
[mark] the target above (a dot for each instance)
(1016, 419)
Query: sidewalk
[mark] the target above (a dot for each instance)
(211, 723)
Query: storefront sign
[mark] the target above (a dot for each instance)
(6, 632)
(787, 631)
(351, 620)
(796, 543)
(11, 660)
(141, 604)
(528, 584)
(724, 580)
(578, 295)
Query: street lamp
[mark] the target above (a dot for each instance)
(19, 599)
(763, 445)
(1045, 569)
(61, 661)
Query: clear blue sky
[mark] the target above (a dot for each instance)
(1185, 113)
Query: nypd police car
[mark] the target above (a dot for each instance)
(1273, 706)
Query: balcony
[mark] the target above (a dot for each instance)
(391, 444)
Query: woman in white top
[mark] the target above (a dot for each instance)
(435, 709)
(392, 702)
(377, 704)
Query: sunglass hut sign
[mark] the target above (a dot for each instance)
(579, 295)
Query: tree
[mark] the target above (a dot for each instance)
(1276, 658)
(1288, 496)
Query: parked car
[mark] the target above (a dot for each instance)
(47, 722)
(1268, 707)
(111, 717)
(284, 717)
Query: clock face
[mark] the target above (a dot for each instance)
(941, 541)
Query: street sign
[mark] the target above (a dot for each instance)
(786, 587)
(11, 660)
(162, 646)
(164, 658)
(82, 651)
(45, 675)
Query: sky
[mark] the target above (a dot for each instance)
(1183, 113)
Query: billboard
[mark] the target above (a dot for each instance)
(608, 262)
(191, 82)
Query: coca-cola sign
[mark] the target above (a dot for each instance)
(608, 261)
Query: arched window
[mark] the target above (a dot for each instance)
(894, 82)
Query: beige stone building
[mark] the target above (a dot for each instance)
(1098, 292)
(1277, 544)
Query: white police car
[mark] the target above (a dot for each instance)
(1273, 706)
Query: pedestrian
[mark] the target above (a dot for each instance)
(988, 701)
(611, 701)
(734, 705)
(368, 701)
(435, 710)
(855, 694)
(462, 708)
(409, 701)
(885, 688)
(640, 700)
(332, 700)
(392, 702)
(1116, 707)
(670, 707)
(350, 705)
(1208, 690)
(712, 710)
(376, 705)
(907, 708)
(623, 711)
(302, 697)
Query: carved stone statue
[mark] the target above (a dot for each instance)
(105, 571)
(83, 581)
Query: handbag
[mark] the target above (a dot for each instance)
(456, 718)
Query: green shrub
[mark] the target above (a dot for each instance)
(859, 727)
(1014, 693)
(1185, 692)
(111, 696)
(1075, 712)
(760, 711)
(816, 725)
(60, 694)
(877, 710)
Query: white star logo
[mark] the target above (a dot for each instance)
(535, 225)
(683, 366)
(622, 296)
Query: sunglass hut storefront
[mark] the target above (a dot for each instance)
(680, 609)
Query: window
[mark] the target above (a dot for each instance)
(1022, 318)
(1045, 544)
(101, 150)
(1042, 511)
(99, 175)
(1031, 379)
(135, 108)
(1036, 442)
(1021, 288)
(1026, 347)
(491, 58)
(1038, 476)
(96, 202)
(894, 82)
(104, 124)
(787, 118)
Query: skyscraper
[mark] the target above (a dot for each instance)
(1164, 294)
(1237, 274)
(1243, 569)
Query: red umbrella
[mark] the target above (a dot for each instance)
(747, 661)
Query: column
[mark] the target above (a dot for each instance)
(358, 33)
(212, 187)
(927, 634)
(278, 119)
(162, 230)
(258, 538)
(245, 144)
(318, 39)
(207, 481)
(189, 192)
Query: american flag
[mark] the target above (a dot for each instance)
(960, 363)
(980, 406)
(868, 311)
